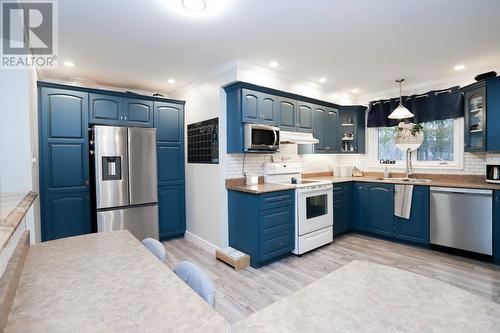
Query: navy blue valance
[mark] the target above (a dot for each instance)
(434, 105)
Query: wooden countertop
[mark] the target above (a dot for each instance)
(13, 208)
(105, 282)
(261, 188)
(460, 181)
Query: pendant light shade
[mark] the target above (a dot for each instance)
(400, 112)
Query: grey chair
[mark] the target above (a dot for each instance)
(155, 247)
(197, 279)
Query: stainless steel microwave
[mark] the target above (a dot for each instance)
(261, 138)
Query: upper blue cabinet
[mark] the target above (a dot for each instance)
(169, 121)
(114, 110)
(248, 103)
(287, 113)
(326, 129)
(482, 116)
(304, 117)
(257, 107)
(352, 129)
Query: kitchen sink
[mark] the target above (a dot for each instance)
(409, 180)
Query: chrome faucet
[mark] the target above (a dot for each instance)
(409, 167)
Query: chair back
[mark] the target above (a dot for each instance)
(197, 279)
(155, 247)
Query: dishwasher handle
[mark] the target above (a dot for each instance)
(460, 190)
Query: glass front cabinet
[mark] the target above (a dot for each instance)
(475, 117)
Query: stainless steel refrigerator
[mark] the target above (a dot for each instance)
(126, 180)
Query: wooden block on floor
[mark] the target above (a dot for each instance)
(237, 259)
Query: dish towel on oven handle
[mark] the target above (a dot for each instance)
(402, 200)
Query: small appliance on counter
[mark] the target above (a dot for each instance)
(493, 170)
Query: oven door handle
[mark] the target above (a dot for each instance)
(316, 190)
(275, 138)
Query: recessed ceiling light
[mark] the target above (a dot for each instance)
(322, 79)
(459, 67)
(355, 90)
(274, 64)
(69, 64)
(171, 81)
(194, 5)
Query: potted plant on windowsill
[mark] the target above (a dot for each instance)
(409, 136)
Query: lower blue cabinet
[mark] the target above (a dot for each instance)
(65, 215)
(496, 226)
(381, 209)
(171, 211)
(262, 225)
(416, 228)
(342, 208)
(374, 208)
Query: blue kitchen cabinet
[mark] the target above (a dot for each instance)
(374, 208)
(138, 112)
(416, 228)
(171, 211)
(258, 107)
(351, 133)
(496, 226)
(65, 215)
(342, 208)
(64, 116)
(319, 121)
(325, 129)
(169, 124)
(304, 117)
(381, 209)
(64, 164)
(262, 225)
(331, 131)
(119, 111)
(361, 213)
(105, 109)
(287, 114)
(493, 115)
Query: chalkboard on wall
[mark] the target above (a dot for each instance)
(203, 142)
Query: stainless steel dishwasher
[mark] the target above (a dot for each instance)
(462, 219)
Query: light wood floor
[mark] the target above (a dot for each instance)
(239, 294)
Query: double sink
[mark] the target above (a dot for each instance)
(406, 180)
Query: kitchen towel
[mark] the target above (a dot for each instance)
(402, 200)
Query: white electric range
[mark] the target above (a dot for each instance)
(313, 205)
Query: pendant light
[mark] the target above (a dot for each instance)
(400, 112)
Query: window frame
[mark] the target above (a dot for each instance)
(458, 151)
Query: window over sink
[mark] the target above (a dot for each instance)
(442, 147)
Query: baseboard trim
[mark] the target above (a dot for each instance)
(201, 242)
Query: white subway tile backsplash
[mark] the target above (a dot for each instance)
(474, 164)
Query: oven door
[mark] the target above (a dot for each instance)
(315, 209)
(261, 137)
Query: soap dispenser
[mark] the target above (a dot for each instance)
(386, 172)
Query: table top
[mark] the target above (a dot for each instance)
(367, 297)
(13, 208)
(105, 282)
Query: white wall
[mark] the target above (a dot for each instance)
(18, 137)
(206, 216)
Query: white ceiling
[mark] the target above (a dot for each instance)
(362, 44)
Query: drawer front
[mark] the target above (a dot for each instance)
(277, 199)
(276, 220)
(276, 245)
